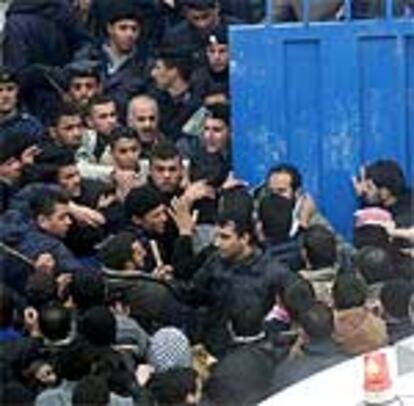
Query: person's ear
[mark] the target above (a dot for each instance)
(42, 221)
(136, 220)
(246, 239)
(88, 121)
(109, 29)
(53, 132)
(259, 231)
(305, 258)
(384, 193)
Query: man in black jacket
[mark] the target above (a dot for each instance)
(317, 350)
(238, 265)
(244, 374)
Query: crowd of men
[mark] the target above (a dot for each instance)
(135, 268)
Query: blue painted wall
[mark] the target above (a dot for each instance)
(326, 97)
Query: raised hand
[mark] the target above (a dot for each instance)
(180, 212)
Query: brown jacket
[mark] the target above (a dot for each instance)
(357, 330)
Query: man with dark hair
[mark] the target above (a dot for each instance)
(237, 264)
(51, 213)
(86, 289)
(55, 323)
(122, 252)
(297, 298)
(57, 165)
(123, 258)
(83, 82)
(74, 362)
(214, 140)
(145, 209)
(320, 247)
(244, 375)
(286, 180)
(67, 126)
(395, 299)
(12, 119)
(382, 183)
(101, 119)
(177, 99)
(98, 326)
(41, 236)
(167, 175)
(94, 155)
(246, 318)
(125, 149)
(148, 217)
(320, 257)
(357, 330)
(375, 264)
(174, 386)
(121, 64)
(318, 350)
(275, 218)
(166, 170)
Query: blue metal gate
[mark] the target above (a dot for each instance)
(327, 97)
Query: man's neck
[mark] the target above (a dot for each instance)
(115, 52)
(7, 114)
(246, 254)
(389, 201)
(178, 88)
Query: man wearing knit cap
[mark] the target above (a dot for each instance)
(169, 348)
(83, 81)
(121, 62)
(216, 70)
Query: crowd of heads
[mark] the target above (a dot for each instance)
(135, 268)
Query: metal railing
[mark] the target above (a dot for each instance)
(387, 11)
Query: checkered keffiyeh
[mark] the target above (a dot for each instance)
(169, 348)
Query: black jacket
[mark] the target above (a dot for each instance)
(215, 283)
(244, 375)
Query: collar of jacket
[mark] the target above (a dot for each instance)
(10, 118)
(249, 339)
(245, 262)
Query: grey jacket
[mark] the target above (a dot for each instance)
(62, 396)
